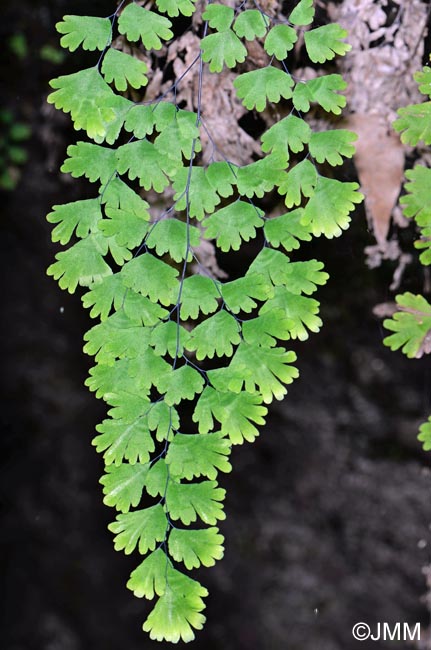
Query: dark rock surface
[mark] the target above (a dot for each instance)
(327, 513)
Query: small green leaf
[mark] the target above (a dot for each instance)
(140, 121)
(200, 294)
(175, 7)
(92, 105)
(124, 441)
(196, 547)
(181, 128)
(141, 528)
(180, 384)
(256, 368)
(142, 160)
(174, 237)
(411, 326)
(230, 225)
(180, 604)
(331, 145)
(423, 78)
(222, 48)
(237, 413)
(416, 202)
(300, 181)
(215, 335)
(169, 338)
(300, 310)
(327, 211)
(187, 501)
(124, 70)
(123, 485)
(323, 43)
(194, 191)
(414, 123)
(302, 14)
(127, 228)
(289, 133)
(266, 328)
(258, 87)
(116, 337)
(321, 90)
(127, 406)
(138, 23)
(251, 24)
(280, 40)
(424, 436)
(149, 578)
(80, 217)
(151, 277)
(90, 160)
(287, 230)
(118, 195)
(261, 176)
(81, 264)
(197, 455)
(241, 294)
(219, 16)
(89, 31)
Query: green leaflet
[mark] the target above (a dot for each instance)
(138, 23)
(257, 369)
(188, 501)
(186, 358)
(123, 485)
(142, 160)
(89, 31)
(82, 264)
(303, 13)
(124, 70)
(323, 43)
(323, 91)
(181, 604)
(251, 24)
(328, 210)
(200, 294)
(174, 237)
(196, 547)
(425, 434)
(180, 384)
(330, 146)
(414, 123)
(175, 7)
(410, 326)
(90, 160)
(151, 277)
(122, 441)
(141, 528)
(236, 412)
(287, 230)
(91, 103)
(258, 87)
(280, 40)
(222, 48)
(219, 16)
(300, 181)
(191, 456)
(215, 336)
(232, 224)
(301, 311)
(79, 217)
(289, 133)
